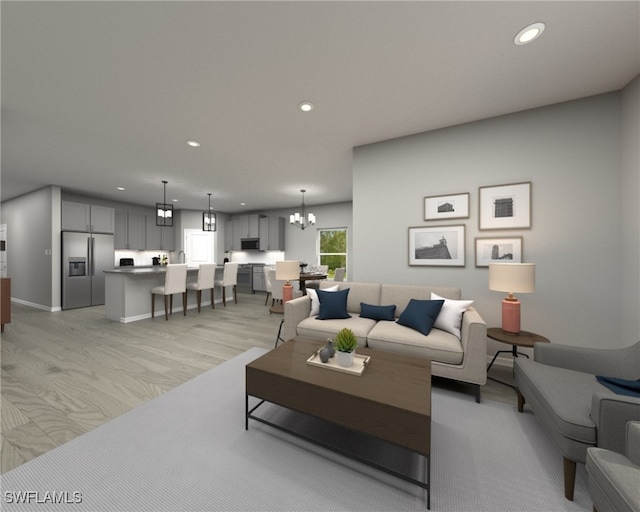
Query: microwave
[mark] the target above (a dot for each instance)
(250, 244)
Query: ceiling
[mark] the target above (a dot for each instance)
(97, 95)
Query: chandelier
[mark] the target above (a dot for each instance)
(302, 219)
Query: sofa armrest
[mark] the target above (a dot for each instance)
(295, 311)
(633, 442)
(473, 337)
(597, 361)
(611, 413)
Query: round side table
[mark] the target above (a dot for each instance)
(523, 339)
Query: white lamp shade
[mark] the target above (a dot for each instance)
(512, 277)
(287, 270)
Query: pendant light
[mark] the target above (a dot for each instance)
(164, 211)
(302, 219)
(209, 218)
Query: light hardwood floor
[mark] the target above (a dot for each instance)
(65, 373)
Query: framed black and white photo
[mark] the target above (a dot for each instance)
(454, 206)
(498, 250)
(437, 246)
(505, 206)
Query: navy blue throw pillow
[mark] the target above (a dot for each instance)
(333, 305)
(421, 315)
(377, 312)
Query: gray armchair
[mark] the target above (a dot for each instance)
(578, 412)
(614, 479)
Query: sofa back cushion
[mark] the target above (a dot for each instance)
(369, 293)
(400, 294)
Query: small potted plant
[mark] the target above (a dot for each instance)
(345, 345)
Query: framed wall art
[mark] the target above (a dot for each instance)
(454, 206)
(437, 246)
(498, 250)
(505, 206)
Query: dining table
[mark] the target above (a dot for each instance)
(310, 276)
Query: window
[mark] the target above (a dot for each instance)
(333, 249)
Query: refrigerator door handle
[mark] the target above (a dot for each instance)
(91, 245)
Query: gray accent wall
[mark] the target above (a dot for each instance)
(582, 160)
(630, 244)
(33, 247)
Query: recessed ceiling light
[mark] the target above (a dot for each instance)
(529, 33)
(120, 188)
(306, 106)
(193, 143)
(243, 204)
(175, 200)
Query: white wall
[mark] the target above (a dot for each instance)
(571, 152)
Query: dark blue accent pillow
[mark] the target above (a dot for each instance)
(333, 305)
(421, 315)
(377, 312)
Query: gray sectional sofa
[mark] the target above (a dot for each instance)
(460, 356)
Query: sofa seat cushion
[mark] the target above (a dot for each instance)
(569, 411)
(438, 346)
(311, 327)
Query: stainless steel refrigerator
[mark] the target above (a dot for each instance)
(85, 257)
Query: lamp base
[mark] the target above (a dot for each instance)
(287, 292)
(511, 315)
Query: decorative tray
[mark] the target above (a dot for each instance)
(357, 368)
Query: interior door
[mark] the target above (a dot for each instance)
(199, 247)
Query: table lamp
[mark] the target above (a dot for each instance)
(287, 270)
(512, 278)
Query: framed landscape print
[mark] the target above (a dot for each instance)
(455, 206)
(498, 250)
(505, 206)
(437, 246)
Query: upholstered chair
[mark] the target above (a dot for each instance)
(229, 278)
(175, 281)
(339, 274)
(206, 277)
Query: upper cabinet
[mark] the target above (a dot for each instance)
(249, 226)
(87, 218)
(130, 231)
(159, 238)
(272, 234)
(102, 219)
(269, 230)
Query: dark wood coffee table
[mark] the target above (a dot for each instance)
(391, 400)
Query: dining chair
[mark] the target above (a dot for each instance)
(267, 282)
(175, 281)
(339, 274)
(229, 278)
(206, 278)
(320, 269)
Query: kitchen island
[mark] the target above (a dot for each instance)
(128, 292)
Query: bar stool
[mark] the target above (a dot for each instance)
(206, 277)
(229, 278)
(175, 281)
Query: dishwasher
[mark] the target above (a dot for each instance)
(245, 278)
